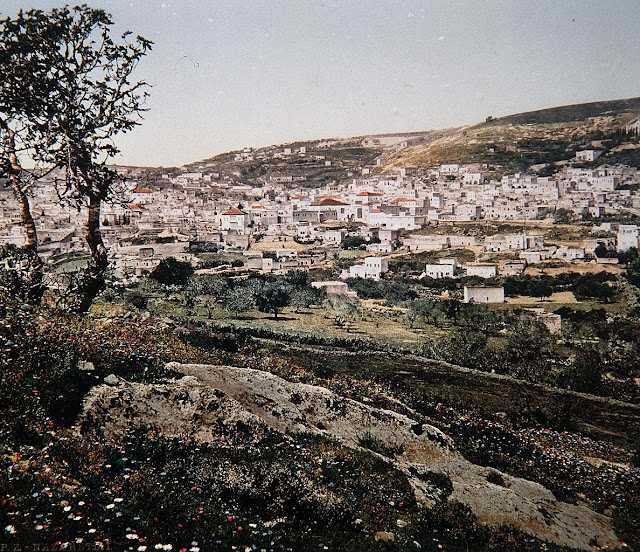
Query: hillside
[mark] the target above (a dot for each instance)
(237, 404)
(311, 163)
(501, 145)
(516, 142)
(570, 113)
(505, 144)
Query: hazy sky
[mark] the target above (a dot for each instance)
(233, 73)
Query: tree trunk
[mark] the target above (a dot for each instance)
(92, 281)
(30, 286)
(99, 261)
(26, 220)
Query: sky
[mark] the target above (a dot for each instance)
(229, 74)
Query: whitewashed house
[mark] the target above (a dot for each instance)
(569, 253)
(483, 294)
(373, 268)
(588, 155)
(627, 236)
(438, 271)
(482, 270)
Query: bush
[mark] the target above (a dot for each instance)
(353, 242)
(171, 271)
(496, 478)
(137, 299)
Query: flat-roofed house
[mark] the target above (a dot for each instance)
(483, 294)
(438, 271)
(482, 270)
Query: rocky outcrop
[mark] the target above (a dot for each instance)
(219, 402)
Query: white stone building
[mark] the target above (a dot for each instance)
(627, 236)
(373, 268)
(234, 219)
(483, 294)
(482, 270)
(438, 271)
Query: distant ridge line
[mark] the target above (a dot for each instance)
(568, 113)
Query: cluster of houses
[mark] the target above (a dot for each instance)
(162, 218)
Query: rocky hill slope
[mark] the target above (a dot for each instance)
(516, 142)
(242, 405)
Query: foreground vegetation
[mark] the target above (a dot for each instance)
(279, 493)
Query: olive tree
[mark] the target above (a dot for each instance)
(272, 298)
(240, 299)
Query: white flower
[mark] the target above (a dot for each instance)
(10, 529)
(132, 536)
(109, 506)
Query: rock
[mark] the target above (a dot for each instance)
(86, 366)
(213, 402)
(385, 536)
(112, 379)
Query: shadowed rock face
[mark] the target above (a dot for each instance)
(240, 404)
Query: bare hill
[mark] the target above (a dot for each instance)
(570, 113)
(517, 142)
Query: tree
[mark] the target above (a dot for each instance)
(584, 372)
(171, 271)
(211, 284)
(23, 88)
(353, 242)
(272, 298)
(344, 308)
(527, 348)
(462, 347)
(593, 286)
(430, 310)
(296, 278)
(303, 298)
(479, 317)
(540, 288)
(602, 251)
(239, 300)
(85, 96)
(136, 298)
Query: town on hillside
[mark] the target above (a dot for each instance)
(291, 219)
